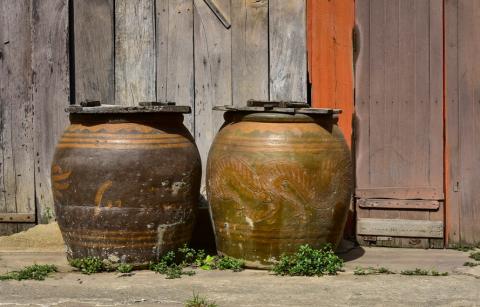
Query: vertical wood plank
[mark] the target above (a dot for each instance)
(50, 92)
(16, 110)
(377, 92)
(452, 118)
(391, 124)
(288, 62)
(134, 52)
(436, 76)
(174, 46)
(213, 74)
(249, 51)
(93, 50)
(362, 94)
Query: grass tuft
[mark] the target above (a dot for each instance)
(372, 271)
(422, 272)
(475, 256)
(88, 265)
(198, 301)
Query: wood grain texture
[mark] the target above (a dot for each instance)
(463, 128)
(452, 142)
(399, 112)
(17, 185)
(93, 50)
(50, 92)
(249, 51)
(135, 72)
(330, 55)
(213, 74)
(288, 57)
(362, 93)
(174, 54)
(400, 228)
(399, 94)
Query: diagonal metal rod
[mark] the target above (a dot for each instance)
(220, 15)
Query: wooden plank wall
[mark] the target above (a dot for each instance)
(34, 89)
(51, 92)
(399, 109)
(330, 58)
(124, 52)
(462, 26)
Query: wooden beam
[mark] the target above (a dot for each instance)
(17, 217)
(398, 204)
(400, 228)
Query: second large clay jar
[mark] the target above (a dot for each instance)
(125, 183)
(276, 181)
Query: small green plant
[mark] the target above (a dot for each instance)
(471, 264)
(88, 265)
(462, 248)
(198, 301)
(475, 256)
(309, 262)
(372, 271)
(229, 263)
(421, 272)
(168, 267)
(124, 268)
(35, 272)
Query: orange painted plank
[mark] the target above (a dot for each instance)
(330, 54)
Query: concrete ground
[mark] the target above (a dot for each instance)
(251, 288)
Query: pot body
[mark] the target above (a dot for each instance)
(275, 182)
(125, 186)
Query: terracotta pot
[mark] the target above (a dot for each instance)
(125, 184)
(276, 181)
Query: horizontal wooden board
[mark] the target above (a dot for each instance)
(432, 193)
(17, 217)
(400, 228)
(408, 204)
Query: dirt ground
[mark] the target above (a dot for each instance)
(248, 288)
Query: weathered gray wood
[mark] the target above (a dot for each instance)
(93, 50)
(17, 217)
(468, 81)
(362, 93)
(400, 228)
(398, 204)
(219, 13)
(213, 77)
(174, 47)
(399, 94)
(288, 61)
(452, 116)
(134, 51)
(50, 92)
(249, 51)
(16, 111)
(116, 109)
(401, 193)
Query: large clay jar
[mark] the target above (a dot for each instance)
(276, 181)
(125, 182)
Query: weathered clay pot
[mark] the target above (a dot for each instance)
(125, 183)
(276, 181)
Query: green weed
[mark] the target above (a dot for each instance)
(475, 256)
(422, 272)
(35, 272)
(88, 265)
(124, 268)
(372, 271)
(308, 261)
(198, 301)
(471, 264)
